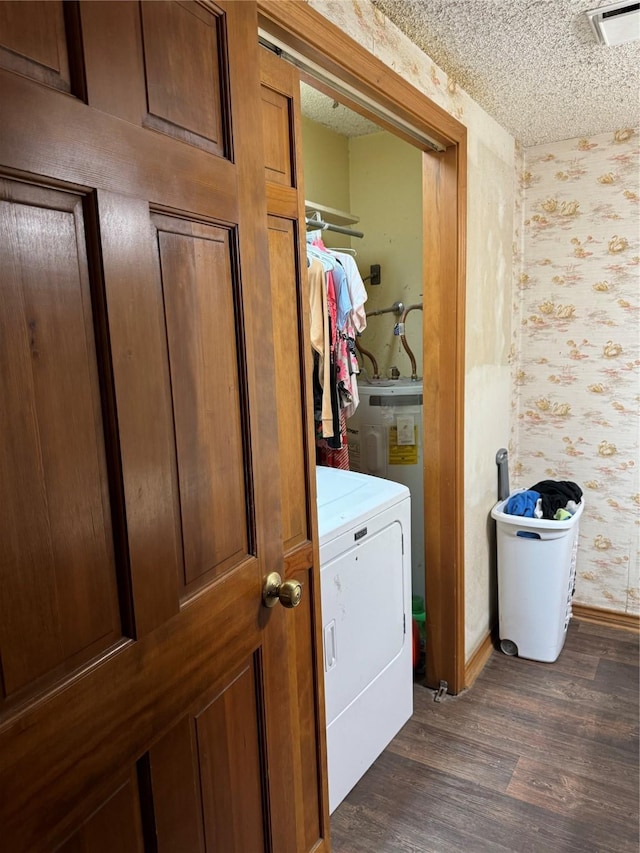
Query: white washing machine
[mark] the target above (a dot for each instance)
(365, 568)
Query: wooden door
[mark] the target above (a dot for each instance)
(149, 700)
(281, 119)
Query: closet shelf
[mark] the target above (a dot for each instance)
(330, 214)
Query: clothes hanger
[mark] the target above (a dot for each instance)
(328, 261)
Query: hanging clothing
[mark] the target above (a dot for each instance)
(334, 458)
(357, 291)
(321, 343)
(343, 297)
(335, 440)
(355, 324)
(337, 296)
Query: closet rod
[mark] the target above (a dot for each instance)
(319, 224)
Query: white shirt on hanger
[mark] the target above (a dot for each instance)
(357, 290)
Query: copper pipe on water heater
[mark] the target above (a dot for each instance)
(369, 355)
(396, 309)
(408, 350)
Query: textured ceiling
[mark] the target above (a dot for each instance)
(331, 114)
(534, 65)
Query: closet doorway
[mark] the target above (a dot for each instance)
(350, 75)
(362, 179)
(354, 166)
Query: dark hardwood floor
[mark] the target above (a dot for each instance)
(534, 758)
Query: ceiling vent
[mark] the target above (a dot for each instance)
(617, 23)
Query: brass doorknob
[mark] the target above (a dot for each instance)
(288, 593)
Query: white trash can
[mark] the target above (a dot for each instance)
(536, 579)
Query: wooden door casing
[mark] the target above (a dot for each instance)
(142, 677)
(444, 183)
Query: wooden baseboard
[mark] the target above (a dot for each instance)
(478, 659)
(581, 612)
(611, 618)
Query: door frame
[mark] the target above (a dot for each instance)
(444, 257)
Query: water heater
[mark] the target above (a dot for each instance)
(385, 440)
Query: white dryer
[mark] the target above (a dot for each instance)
(365, 567)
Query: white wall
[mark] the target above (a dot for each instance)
(386, 192)
(377, 177)
(325, 159)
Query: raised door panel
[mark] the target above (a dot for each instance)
(173, 57)
(174, 306)
(55, 520)
(146, 442)
(276, 122)
(114, 825)
(230, 754)
(200, 286)
(205, 773)
(185, 38)
(291, 425)
(36, 44)
(177, 790)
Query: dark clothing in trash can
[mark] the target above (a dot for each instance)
(556, 494)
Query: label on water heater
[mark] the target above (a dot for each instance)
(402, 454)
(405, 425)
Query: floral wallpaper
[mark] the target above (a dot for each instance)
(576, 354)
